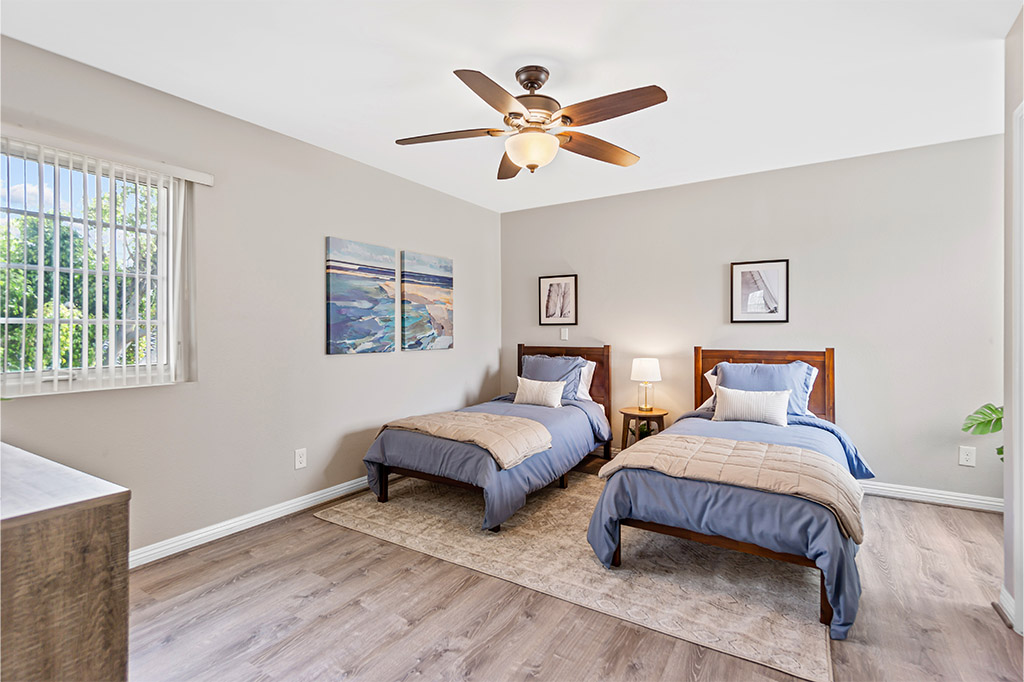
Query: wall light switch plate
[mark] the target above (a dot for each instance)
(968, 456)
(300, 458)
(565, 333)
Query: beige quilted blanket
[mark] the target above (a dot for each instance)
(510, 440)
(773, 468)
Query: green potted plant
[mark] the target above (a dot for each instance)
(645, 431)
(986, 419)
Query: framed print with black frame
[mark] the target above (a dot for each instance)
(759, 291)
(558, 300)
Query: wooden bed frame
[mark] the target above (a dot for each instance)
(600, 391)
(822, 403)
(600, 387)
(823, 394)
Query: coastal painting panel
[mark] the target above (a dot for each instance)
(360, 297)
(427, 307)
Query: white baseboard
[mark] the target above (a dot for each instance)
(159, 550)
(1006, 603)
(945, 497)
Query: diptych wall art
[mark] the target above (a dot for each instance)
(427, 305)
(360, 297)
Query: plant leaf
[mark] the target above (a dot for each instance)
(982, 428)
(986, 419)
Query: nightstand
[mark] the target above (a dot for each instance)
(629, 414)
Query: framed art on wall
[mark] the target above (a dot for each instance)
(760, 291)
(360, 297)
(558, 300)
(427, 302)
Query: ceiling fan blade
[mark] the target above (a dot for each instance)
(453, 135)
(491, 92)
(587, 145)
(507, 169)
(610, 106)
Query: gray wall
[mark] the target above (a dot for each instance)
(895, 260)
(200, 453)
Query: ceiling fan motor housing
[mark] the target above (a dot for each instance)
(541, 102)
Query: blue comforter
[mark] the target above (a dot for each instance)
(576, 428)
(778, 522)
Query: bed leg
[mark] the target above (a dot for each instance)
(563, 482)
(383, 477)
(608, 450)
(496, 529)
(826, 608)
(617, 557)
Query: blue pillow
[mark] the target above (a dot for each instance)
(567, 368)
(797, 376)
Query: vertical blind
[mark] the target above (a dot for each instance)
(93, 279)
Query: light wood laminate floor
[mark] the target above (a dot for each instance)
(303, 599)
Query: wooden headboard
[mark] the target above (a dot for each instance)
(823, 395)
(601, 388)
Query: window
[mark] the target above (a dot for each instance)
(93, 289)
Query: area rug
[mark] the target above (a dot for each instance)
(760, 610)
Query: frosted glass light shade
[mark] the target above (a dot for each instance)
(645, 369)
(531, 148)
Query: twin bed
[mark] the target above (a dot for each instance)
(781, 527)
(784, 527)
(576, 430)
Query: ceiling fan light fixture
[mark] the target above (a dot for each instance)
(530, 118)
(531, 148)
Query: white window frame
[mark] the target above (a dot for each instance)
(174, 284)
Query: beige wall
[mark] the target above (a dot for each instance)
(1014, 94)
(895, 260)
(205, 452)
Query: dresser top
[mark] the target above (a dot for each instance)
(32, 486)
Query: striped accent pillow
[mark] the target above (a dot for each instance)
(544, 393)
(734, 405)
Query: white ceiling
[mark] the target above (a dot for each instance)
(752, 85)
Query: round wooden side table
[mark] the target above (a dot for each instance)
(655, 416)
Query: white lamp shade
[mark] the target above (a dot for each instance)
(645, 369)
(532, 148)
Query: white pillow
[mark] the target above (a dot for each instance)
(734, 405)
(545, 393)
(586, 378)
(713, 383)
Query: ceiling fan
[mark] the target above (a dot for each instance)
(531, 118)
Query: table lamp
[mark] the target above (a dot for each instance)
(646, 371)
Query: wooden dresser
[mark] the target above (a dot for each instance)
(63, 572)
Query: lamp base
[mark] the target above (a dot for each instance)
(645, 397)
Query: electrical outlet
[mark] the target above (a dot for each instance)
(300, 458)
(565, 333)
(967, 456)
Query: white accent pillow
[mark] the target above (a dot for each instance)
(586, 378)
(544, 393)
(713, 383)
(734, 405)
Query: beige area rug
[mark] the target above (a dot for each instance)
(758, 609)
